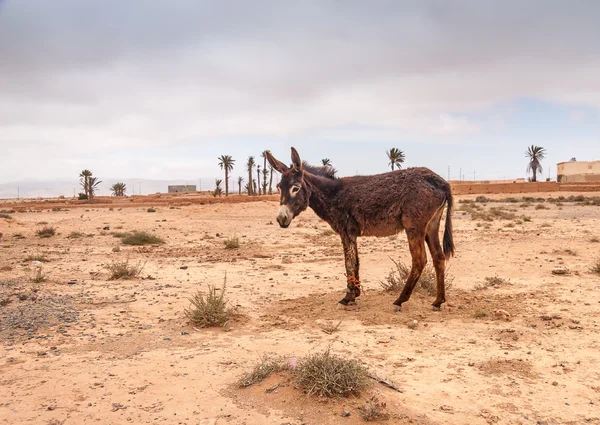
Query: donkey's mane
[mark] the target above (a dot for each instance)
(323, 171)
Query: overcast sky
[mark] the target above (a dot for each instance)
(158, 89)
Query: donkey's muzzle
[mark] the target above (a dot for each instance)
(285, 216)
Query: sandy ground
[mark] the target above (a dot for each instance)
(79, 349)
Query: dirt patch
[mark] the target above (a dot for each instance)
(376, 309)
(518, 368)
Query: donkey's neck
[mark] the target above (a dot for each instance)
(322, 191)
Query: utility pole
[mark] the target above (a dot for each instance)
(473, 175)
(460, 174)
(18, 193)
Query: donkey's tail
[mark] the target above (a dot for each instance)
(448, 240)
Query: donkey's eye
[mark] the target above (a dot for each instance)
(295, 189)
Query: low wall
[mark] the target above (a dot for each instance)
(484, 188)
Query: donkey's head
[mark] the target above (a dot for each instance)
(295, 193)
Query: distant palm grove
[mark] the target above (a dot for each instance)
(258, 177)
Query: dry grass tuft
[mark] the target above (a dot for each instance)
(595, 240)
(209, 310)
(493, 282)
(141, 238)
(595, 267)
(328, 232)
(6, 216)
(328, 375)
(265, 368)
(232, 243)
(37, 257)
(75, 235)
(565, 251)
(396, 279)
(330, 328)
(373, 410)
(46, 232)
(120, 269)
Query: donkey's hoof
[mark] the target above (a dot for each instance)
(397, 308)
(343, 302)
(435, 307)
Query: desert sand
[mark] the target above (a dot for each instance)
(78, 348)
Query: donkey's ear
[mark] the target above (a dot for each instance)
(296, 162)
(277, 165)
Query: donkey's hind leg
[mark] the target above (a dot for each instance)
(438, 258)
(416, 243)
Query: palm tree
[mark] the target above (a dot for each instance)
(326, 162)
(240, 181)
(118, 189)
(271, 180)
(84, 181)
(250, 167)
(258, 174)
(218, 190)
(265, 171)
(93, 183)
(396, 157)
(535, 155)
(226, 163)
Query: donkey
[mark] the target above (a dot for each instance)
(380, 205)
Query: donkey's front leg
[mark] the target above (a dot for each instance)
(352, 265)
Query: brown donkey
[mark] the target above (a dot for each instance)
(381, 205)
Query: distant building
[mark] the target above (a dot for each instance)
(182, 188)
(578, 171)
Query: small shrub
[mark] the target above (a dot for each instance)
(151, 210)
(396, 279)
(593, 240)
(265, 368)
(42, 223)
(482, 199)
(526, 205)
(493, 282)
(121, 235)
(545, 225)
(595, 267)
(37, 274)
(209, 310)
(46, 232)
(328, 375)
(330, 328)
(75, 235)
(480, 315)
(142, 238)
(541, 207)
(373, 410)
(565, 251)
(232, 242)
(330, 232)
(526, 218)
(6, 216)
(18, 236)
(36, 257)
(124, 270)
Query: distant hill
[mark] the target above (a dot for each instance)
(52, 189)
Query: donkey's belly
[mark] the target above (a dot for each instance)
(382, 229)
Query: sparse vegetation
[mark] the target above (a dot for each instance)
(595, 240)
(46, 232)
(595, 267)
(565, 251)
(232, 243)
(75, 235)
(541, 207)
(18, 236)
(123, 269)
(396, 279)
(330, 328)
(327, 375)
(36, 257)
(480, 315)
(373, 410)
(493, 282)
(6, 216)
(151, 210)
(328, 232)
(210, 309)
(265, 368)
(141, 238)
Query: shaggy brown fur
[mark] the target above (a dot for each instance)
(380, 205)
